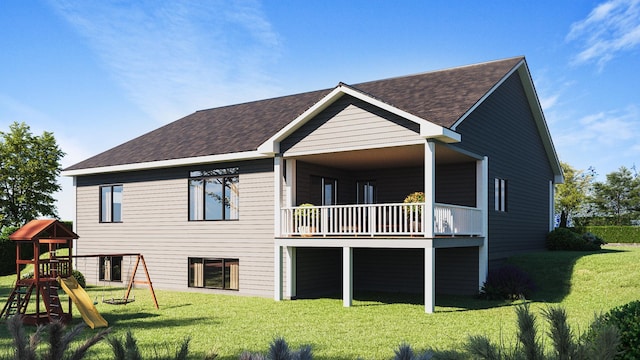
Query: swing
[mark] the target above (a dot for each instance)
(113, 300)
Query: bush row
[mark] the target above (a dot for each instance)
(568, 239)
(616, 234)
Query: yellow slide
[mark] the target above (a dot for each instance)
(83, 302)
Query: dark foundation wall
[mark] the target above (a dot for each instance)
(388, 270)
(319, 272)
(457, 271)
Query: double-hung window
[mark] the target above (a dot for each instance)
(111, 203)
(214, 194)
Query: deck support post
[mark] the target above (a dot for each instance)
(427, 221)
(482, 203)
(290, 259)
(347, 276)
(429, 278)
(277, 271)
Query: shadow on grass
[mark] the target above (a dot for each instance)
(552, 270)
(153, 321)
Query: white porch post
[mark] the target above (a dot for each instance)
(291, 272)
(277, 271)
(290, 182)
(427, 222)
(429, 187)
(482, 203)
(347, 276)
(277, 227)
(429, 278)
(278, 180)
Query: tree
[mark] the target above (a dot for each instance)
(29, 167)
(619, 196)
(573, 193)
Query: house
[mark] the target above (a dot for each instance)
(211, 200)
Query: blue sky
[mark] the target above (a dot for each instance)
(98, 73)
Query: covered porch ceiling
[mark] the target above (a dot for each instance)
(385, 158)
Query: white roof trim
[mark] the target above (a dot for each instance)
(428, 130)
(248, 155)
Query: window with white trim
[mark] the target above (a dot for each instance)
(214, 194)
(500, 189)
(111, 203)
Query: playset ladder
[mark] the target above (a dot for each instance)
(18, 300)
(51, 301)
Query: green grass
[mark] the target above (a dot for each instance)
(583, 283)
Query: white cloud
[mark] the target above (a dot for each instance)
(611, 28)
(605, 140)
(175, 57)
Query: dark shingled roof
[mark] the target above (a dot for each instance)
(441, 97)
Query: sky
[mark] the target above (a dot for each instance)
(99, 73)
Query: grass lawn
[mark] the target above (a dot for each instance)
(583, 283)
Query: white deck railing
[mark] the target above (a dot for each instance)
(379, 220)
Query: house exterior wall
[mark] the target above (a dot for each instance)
(350, 123)
(503, 128)
(155, 223)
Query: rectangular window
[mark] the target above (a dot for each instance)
(111, 203)
(329, 191)
(500, 189)
(366, 192)
(214, 194)
(110, 268)
(214, 273)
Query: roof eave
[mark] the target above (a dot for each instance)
(239, 156)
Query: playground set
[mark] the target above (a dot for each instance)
(49, 274)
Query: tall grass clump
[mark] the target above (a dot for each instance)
(57, 341)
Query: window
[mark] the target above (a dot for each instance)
(500, 195)
(366, 192)
(111, 203)
(214, 194)
(329, 191)
(110, 268)
(214, 273)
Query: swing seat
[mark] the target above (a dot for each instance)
(121, 301)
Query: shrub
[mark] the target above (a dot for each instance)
(627, 319)
(79, 278)
(507, 282)
(565, 239)
(128, 349)
(7, 251)
(279, 350)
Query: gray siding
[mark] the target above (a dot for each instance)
(155, 213)
(503, 129)
(350, 123)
